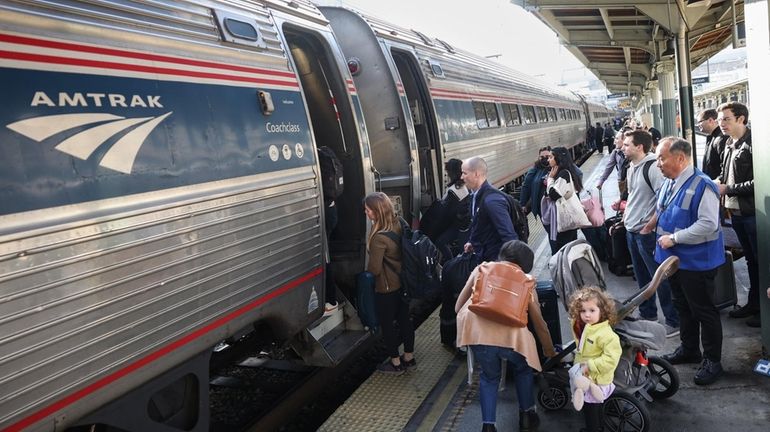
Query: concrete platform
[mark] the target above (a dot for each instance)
(436, 396)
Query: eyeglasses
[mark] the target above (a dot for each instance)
(725, 119)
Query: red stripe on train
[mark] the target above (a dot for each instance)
(137, 68)
(144, 361)
(135, 55)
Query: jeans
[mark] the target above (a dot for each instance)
(746, 229)
(642, 249)
(488, 358)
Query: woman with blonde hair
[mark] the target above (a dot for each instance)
(390, 303)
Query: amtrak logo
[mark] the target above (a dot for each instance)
(120, 157)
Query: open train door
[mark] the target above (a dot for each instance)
(415, 99)
(396, 162)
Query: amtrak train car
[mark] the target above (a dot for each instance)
(160, 191)
(426, 102)
(597, 113)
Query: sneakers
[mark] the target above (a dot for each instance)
(671, 331)
(679, 356)
(488, 427)
(329, 308)
(708, 372)
(743, 312)
(408, 363)
(389, 368)
(754, 321)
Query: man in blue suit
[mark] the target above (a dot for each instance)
(491, 224)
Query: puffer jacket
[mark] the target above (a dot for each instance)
(599, 349)
(743, 172)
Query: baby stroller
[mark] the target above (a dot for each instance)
(639, 378)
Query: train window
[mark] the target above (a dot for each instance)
(436, 69)
(481, 115)
(239, 29)
(542, 115)
(551, 114)
(529, 114)
(562, 114)
(512, 117)
(492, 117)
(486, 115)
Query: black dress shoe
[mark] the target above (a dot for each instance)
(743, 312)
(754, 321)
(708, 372)
(679, 356)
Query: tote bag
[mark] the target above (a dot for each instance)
(570, 213)
(593, 208)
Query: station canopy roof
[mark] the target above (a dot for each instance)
(620, 41)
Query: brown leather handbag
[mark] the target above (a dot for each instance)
(502, 293)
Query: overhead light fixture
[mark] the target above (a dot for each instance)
(670, 50)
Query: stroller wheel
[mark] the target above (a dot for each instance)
(553, 398)
(623, 412)
(664, 376)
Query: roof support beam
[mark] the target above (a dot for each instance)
(607, 23)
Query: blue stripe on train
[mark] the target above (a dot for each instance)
(215, 132)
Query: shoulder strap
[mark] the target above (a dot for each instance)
(391, 235)
(646, 173)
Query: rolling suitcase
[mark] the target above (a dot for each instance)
(618, 255)
(454, 274)
(597, 237)
(365, 300)
(549, 307)
(725, 292)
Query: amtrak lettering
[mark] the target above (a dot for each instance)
(96, 100)
(282, 128)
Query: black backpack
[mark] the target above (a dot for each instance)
(419, 261)
(331, 173)
(516, 212)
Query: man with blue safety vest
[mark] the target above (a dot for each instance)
(687, 220)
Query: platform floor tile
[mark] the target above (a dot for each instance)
(387, 403)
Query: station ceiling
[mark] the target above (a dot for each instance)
(621, 40)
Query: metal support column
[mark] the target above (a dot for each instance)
(685, 87)
(657, 121)
(665, 71)
(757, 47)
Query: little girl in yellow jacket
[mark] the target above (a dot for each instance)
(592, 315)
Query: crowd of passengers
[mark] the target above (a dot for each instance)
(672, 208)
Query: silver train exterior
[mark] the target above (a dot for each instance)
(446, 103)
(159, 190)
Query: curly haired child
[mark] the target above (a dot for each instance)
(592, 314)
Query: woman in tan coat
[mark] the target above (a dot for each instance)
(491, 342)
(389, 301)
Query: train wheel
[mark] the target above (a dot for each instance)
(623, 412)
(665, 377)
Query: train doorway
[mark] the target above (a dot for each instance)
(425, 128)
(333, 126)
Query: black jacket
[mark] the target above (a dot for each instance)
(712, 155)
(742, 167)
